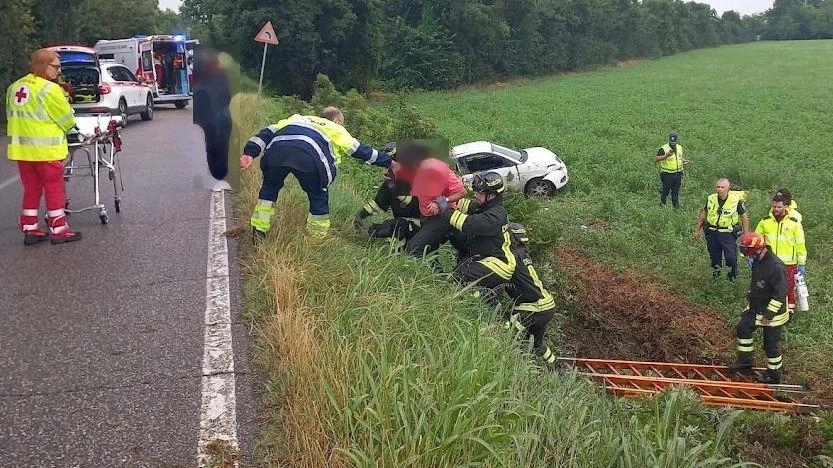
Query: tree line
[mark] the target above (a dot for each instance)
(440, 44)
(410, 44)
(30, 24)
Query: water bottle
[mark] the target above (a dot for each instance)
(801, 293)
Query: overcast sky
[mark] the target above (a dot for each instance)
(744, 7)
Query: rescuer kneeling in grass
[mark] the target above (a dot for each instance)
(490, 262)
(766, 308)
(534, 306)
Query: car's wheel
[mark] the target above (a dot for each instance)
(539, 187)
(180, 104)
(123, 112)
(148, 113)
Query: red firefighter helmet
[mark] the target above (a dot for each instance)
(752, 243)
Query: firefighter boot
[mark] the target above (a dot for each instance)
(743, 363)
(770, 377)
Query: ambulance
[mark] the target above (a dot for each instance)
(161, 61)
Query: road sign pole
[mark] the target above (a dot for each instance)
(262, 67)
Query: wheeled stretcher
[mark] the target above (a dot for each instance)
(91, 151)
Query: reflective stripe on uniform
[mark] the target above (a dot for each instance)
(548, 356)
(30, 227)
(262, 215)
(774, 363)
(31, 115)
(746, 345)
(463, 205)
(41, 141)
(354, 147)
(774, 305)
(373, 207)
(541, 305)
(405, 199)
(59, 229)
(29, 212)
(259, 142)
(457, 220)
(54, 213)
(318, 225)
(776, 321)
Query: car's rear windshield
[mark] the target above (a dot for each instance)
(81, 76)
(503, 151)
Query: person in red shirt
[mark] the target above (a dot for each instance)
(429, 179)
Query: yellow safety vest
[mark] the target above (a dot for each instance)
(786, 239)
(723, 219)
(38, 118)
(674, 162)
(341, 142)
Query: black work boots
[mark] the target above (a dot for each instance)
(770, 377)
(743, 363)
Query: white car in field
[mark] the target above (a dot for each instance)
(535, 171)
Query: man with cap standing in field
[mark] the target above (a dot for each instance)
(671, 163)
(723, 219)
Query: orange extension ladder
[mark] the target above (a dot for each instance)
(716, 385)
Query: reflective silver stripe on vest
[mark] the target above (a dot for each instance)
(315, 146)
(36, 141)
(31, 115)
(65, 120)
(259, 142)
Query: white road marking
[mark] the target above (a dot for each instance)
(8, 182)
(218, 413)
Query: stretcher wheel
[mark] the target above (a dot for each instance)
(118, 205)
(103, 218)
(110, 174)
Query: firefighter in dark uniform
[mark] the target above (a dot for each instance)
(489, 261)
(534, 306)
(766, 308)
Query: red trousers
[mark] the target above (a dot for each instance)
(43, 178)
(791, 286)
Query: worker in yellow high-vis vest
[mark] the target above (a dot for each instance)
(671, 163)
(39, 117)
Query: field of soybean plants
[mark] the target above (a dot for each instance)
(754, 113)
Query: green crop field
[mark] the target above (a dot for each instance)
(373, 361)
(758, 114)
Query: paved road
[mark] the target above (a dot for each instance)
(101, 352)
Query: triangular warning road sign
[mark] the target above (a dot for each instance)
(267, 34)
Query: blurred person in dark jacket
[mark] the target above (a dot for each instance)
(212, 95)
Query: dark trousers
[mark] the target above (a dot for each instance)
(671, 184)
(722, 245)
(772, 340)
(488, 285)
(273, 179)
(400, 228)
(217, 136)
(432, 233)
(535, 324)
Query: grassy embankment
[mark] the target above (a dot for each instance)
(373, 362)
